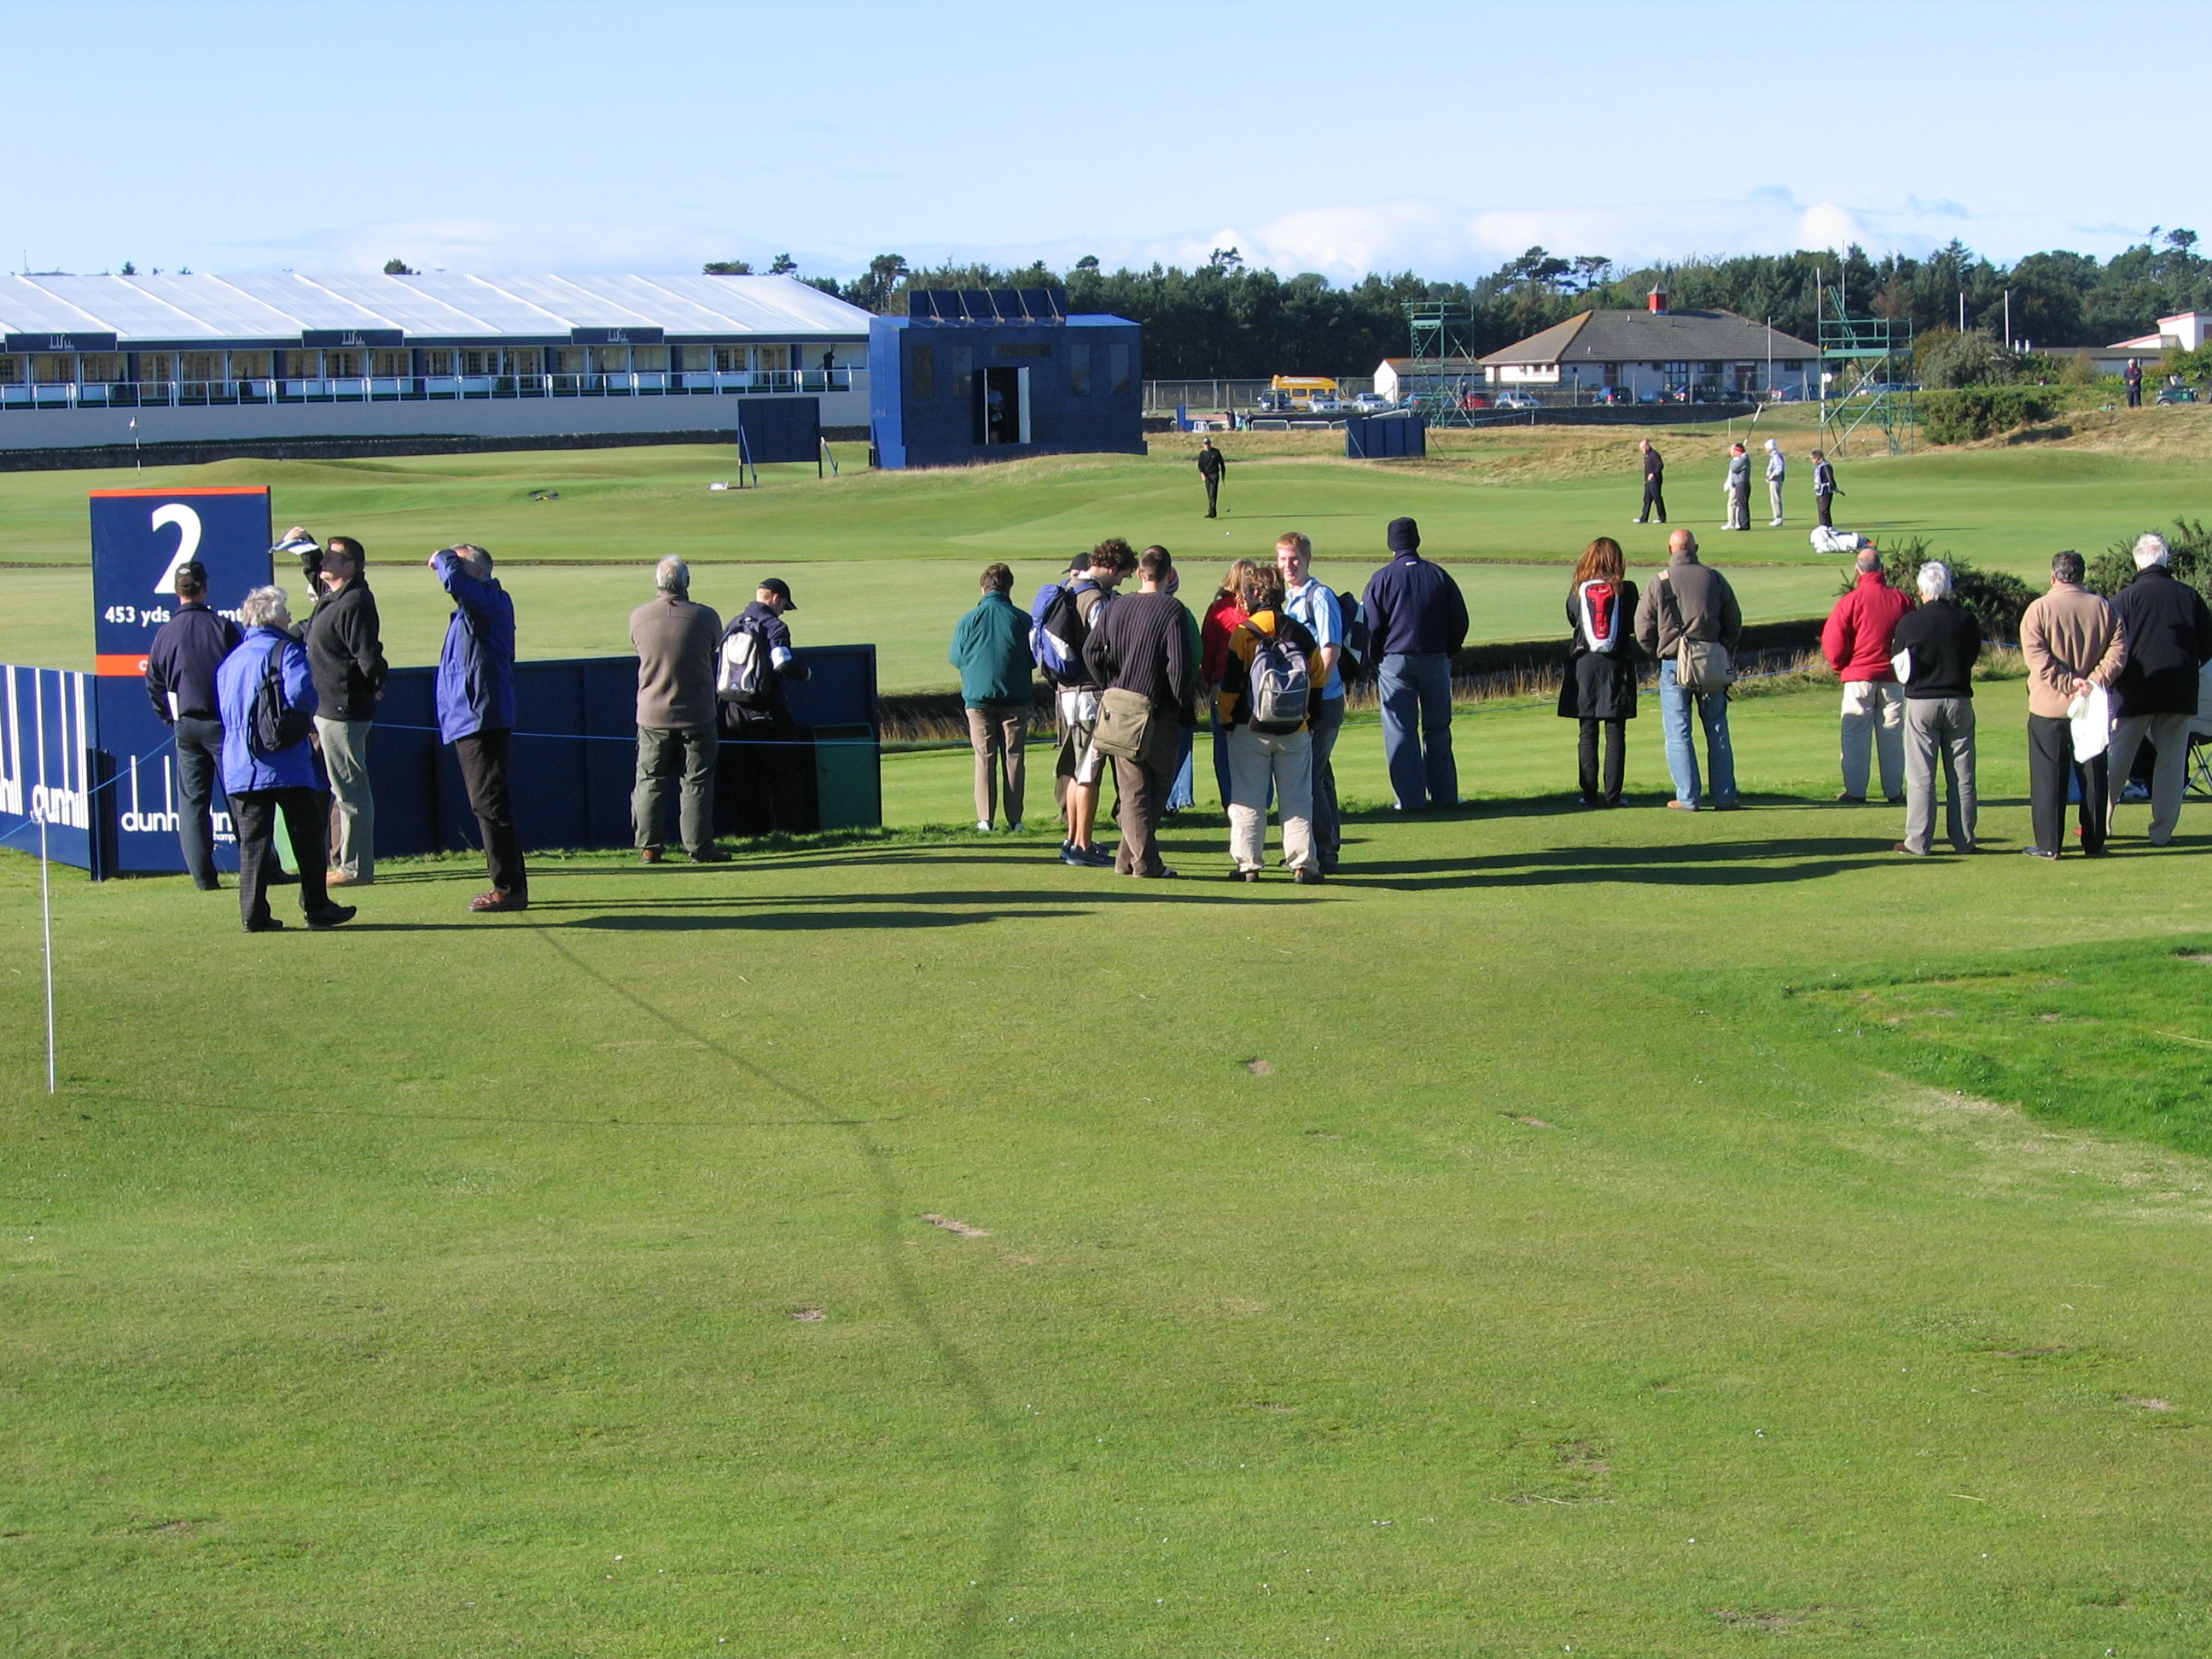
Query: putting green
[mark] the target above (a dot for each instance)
(918, 1246)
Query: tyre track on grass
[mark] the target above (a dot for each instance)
(1007, 1525)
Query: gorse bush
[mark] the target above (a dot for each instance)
(1997, 599)
(1966, 413)
(2189, 543)
(1945, 358)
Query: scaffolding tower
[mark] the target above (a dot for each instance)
(1866, 365)
(1443, 375)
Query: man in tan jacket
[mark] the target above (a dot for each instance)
(2073, 641)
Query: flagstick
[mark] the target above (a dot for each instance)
(46, 905)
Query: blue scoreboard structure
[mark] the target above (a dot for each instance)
(993, 374)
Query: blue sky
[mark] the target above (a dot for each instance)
(1340, 137)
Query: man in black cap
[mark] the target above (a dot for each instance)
(1211, 465)
(181, 679)
(765, 779)
(1416, 619)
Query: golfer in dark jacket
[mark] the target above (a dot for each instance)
(1416, 619)
(991, 649)
(1655, 482)
(1941, 640)
(1141, 643)
(476, 712)
(1211, 463)
(675, 641)
(1824, 489)
(181, 679)
(2169, 633)
(345, 653)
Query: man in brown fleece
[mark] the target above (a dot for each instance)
(2073, 641)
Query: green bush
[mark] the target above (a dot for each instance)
(1966, 413)
(2189, 543)
(1995, 598)
(1945, 358)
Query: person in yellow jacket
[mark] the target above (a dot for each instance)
(1268, 689)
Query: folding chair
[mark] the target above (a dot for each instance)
(2200, 760)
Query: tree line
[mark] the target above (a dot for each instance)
(1227, 320)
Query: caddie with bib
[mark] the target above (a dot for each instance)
(1689, 619)
(1598, 686)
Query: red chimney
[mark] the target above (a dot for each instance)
(1656, 300)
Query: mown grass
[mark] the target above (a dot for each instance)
(1444, 1261)
(893, 557)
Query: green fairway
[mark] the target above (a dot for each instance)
(1477, 1255)
(892, 558)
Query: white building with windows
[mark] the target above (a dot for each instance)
(1659, 354)
(202, 358)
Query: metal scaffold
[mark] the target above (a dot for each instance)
(1866, 377)
(1442, 376)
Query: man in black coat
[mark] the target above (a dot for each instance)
(1940, 642)
(1211, 465)
(2169, 633)
(181, 679)
(345, 654)
(764, 778)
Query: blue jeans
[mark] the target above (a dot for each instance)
(1183, 792)
(1417, 687)
(1681, 748)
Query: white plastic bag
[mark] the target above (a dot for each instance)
(2092, 715)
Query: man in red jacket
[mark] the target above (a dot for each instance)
(1857, 643)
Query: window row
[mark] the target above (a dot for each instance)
(61, 368)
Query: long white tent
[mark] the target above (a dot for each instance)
(184, 310)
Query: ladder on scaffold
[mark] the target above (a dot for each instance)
(1866, 377)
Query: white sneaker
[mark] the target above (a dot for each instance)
(1774, 523)
(984, 826)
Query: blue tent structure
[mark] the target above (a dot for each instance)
(993, 374)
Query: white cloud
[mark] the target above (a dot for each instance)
(498, 246)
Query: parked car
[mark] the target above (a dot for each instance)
(1327, 405)
(1614, 394)
(1370, 403)
(1518, 400)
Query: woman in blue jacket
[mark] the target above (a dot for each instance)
(261, 782)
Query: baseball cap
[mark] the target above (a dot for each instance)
(781, 589)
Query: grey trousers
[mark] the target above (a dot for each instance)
(1328, 817)
(2169, 734)
(662, 753)
(353, 807)
(1774, 497)
(1739, 510)
(998, 731)
(1256, 761)
(1944, 726)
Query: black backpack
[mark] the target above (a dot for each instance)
(277, 725)
(1352, 661)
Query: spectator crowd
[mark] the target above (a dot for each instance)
(273, 718)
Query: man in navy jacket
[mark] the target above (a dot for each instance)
(1416, 619)
(476, 712)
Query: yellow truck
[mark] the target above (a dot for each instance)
(1303, 392)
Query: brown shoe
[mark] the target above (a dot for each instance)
(339, 878)
(495, 901)
(648, 856)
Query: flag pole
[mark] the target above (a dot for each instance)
(46, 907)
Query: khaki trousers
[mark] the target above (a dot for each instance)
(1873, 718)
(997, 732)
(1256, 759)
(2169, 735)
(353, 808)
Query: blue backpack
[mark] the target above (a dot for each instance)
(1057, 630)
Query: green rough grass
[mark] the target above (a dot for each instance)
(2114, 1037)
(892, 557)
(429, 1287)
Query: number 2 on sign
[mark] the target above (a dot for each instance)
(188, 540)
